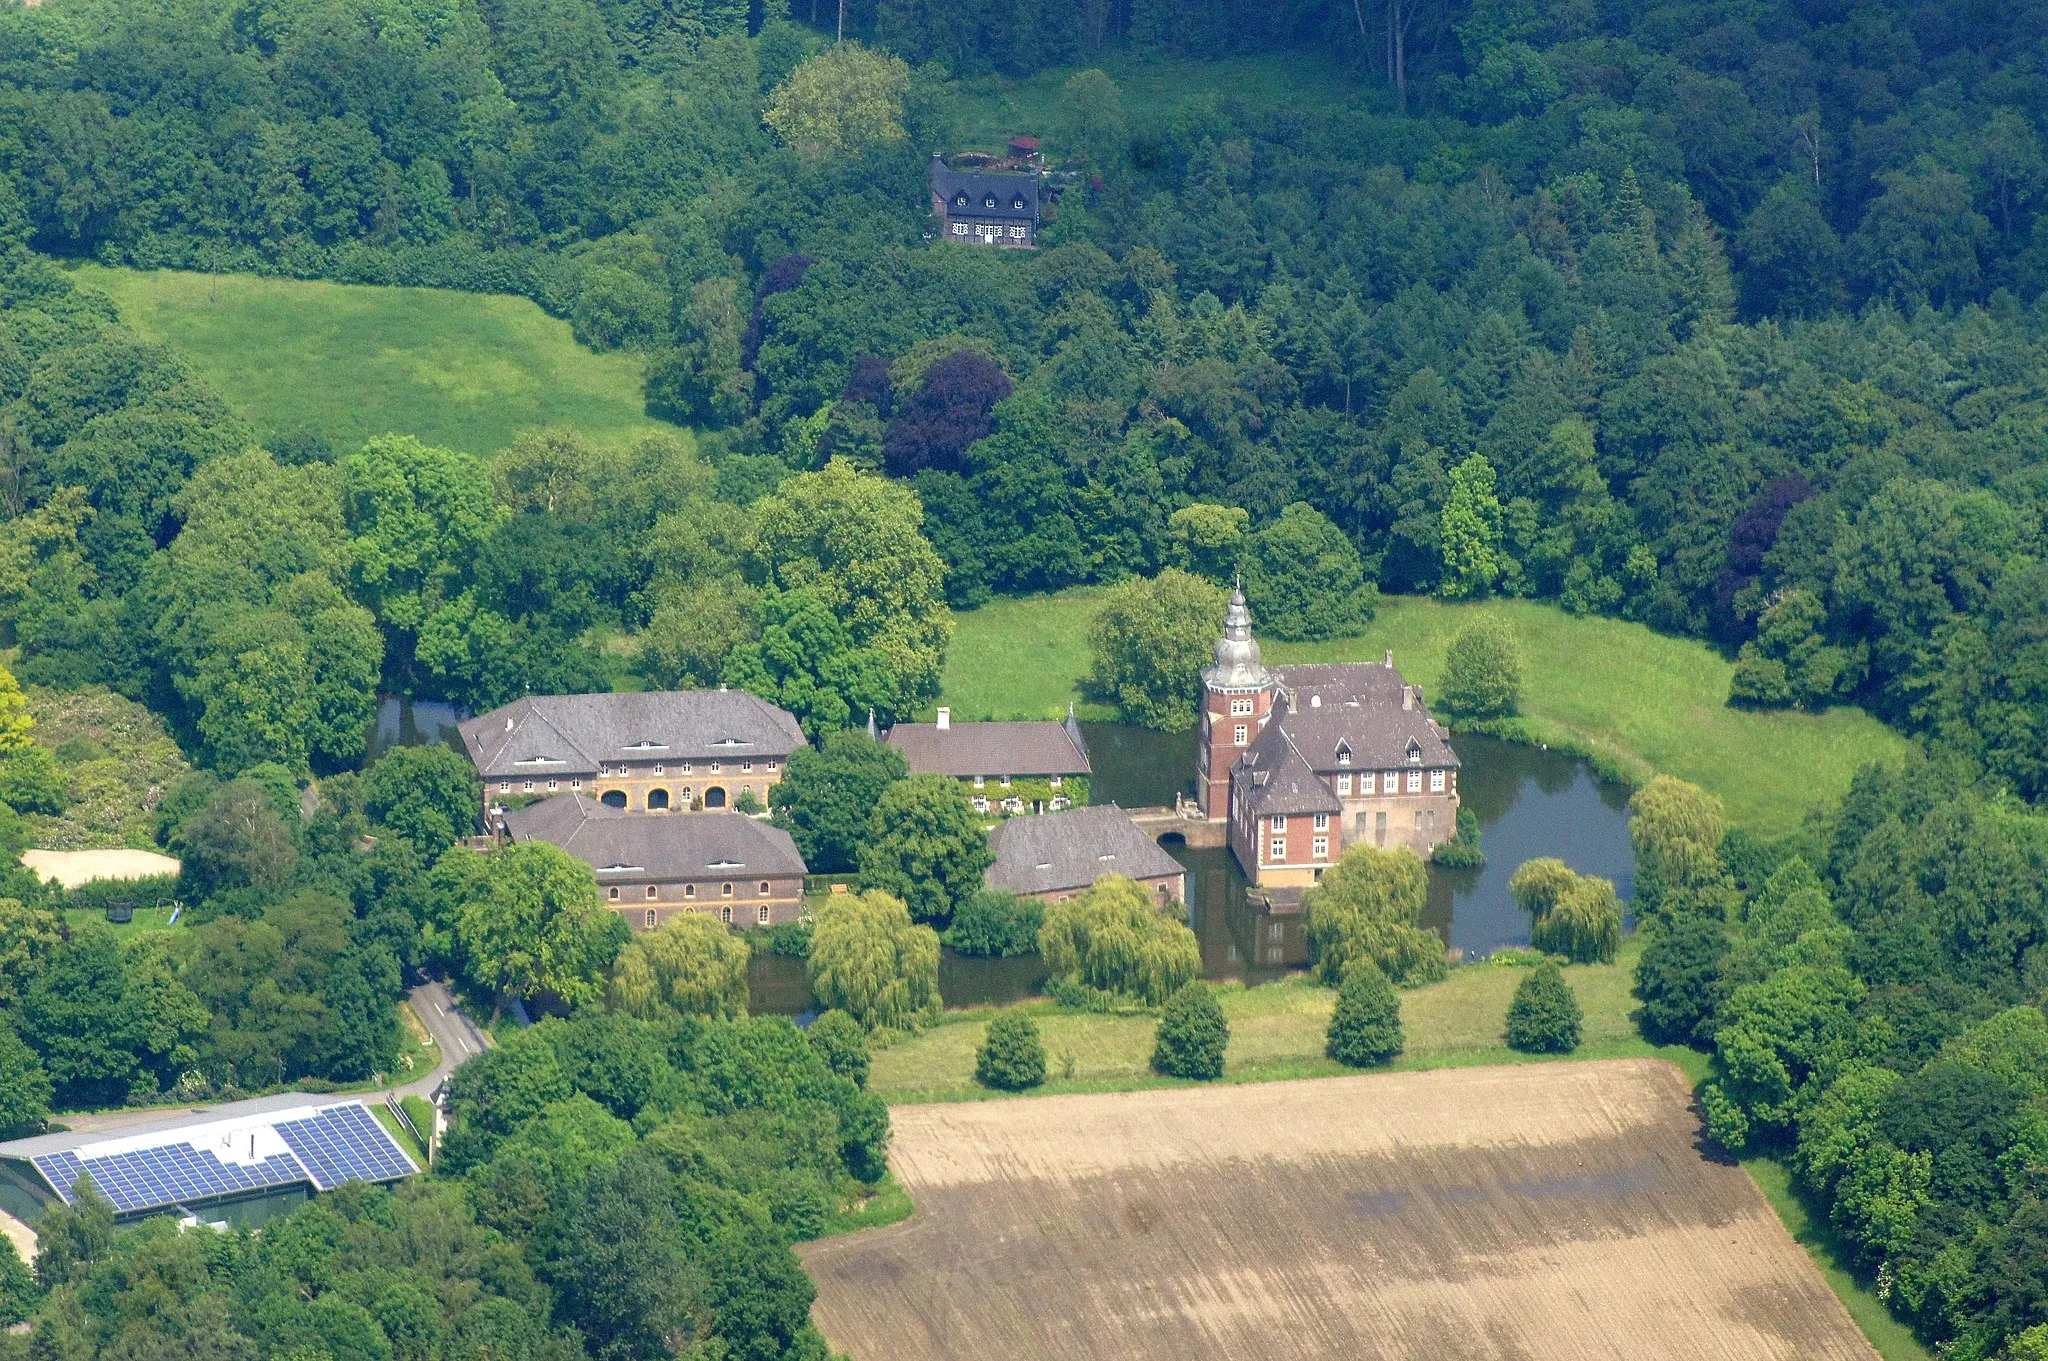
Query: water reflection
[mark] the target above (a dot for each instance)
(406, 722)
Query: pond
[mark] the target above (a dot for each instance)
(1530, 802)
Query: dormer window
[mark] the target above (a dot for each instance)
(1017, 204)
(960, 200)
(989, 202)
(1343, 756)
(1414, 753)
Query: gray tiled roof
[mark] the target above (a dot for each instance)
(1356, 706)
(949, 184)
(650, 846)
(1072, 849)
(1272, 777)
(573, 734)
(992, 749)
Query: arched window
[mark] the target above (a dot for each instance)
(764, 888)
(725, 890)
(690, 890)
(727, 914)
(657, 800)
(714, 797)
(613, 894)
(764, 914)
(651, 891)
(650, 919)
(613, 798)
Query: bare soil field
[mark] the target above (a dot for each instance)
(72, 868)
(1543, 1213)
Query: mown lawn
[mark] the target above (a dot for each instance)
(1276, 1031)
(1644, 701)
(463, 370)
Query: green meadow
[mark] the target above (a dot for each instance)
(349, 361)
(1640, 701)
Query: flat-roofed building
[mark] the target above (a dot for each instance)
(736, 868)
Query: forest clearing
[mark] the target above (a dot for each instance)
(1417, 1215)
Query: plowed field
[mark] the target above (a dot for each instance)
(1542, 1213)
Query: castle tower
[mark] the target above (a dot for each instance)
(1237, 697)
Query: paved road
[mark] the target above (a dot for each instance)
(456, 1040)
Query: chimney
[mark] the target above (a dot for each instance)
(1407, 697)
(508, 725)
(1390, 659)
(945, 719)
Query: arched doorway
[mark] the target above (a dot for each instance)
(714, 797)
(657, 800)
(613, 798)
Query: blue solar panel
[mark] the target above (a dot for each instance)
(340, 1143)
(154, 1178)
(345, 1143)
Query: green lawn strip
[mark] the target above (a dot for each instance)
(1636, 700)
(146, 921)
(1022, 658)
(887, 1203)
(396, 1130)
(1894, 1340)
(464, 370)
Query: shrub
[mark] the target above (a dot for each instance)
(1011, 1057)
(1192, 1034)
(1462, 851)
(993, 924)
(842, 1043)
(1365, 1030)
(1482, 672)
(1115, 937)
(1544, 1017)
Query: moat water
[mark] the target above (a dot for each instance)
(1529, 802)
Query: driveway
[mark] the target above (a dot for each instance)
(456, 1041)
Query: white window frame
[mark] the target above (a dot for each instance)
(1436, 781)
(1322, 822)
(576, 784)
(1321, 848)
(1278, 849)
(1278, 823)
(689, 890)
(959, 229)
(1004, 782)
(762, 915)
(981, 782)
(1058, 780)
(504, 786)
(1343, 784)
(552, 786)
(1414, 782)
(1239, 734)
(651, 917)
(1241, 708)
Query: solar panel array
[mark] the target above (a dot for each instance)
(339, 1144)
(345, 1143)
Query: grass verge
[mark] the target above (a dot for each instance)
(396, 1130)
(886, 1203)
(1634, 700)
(1894, 1340)
(463, 370)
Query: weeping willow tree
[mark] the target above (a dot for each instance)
(1369, 906)
(1570, 914)
(689, 966)
(1117, 938)
(871, 961)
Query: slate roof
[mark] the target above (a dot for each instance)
(573, 734)
(1071, 849)
(1322, 713)
(1006, 190)
(1356, 706)
(1273, 777)
(962, 750)
(675, 848)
